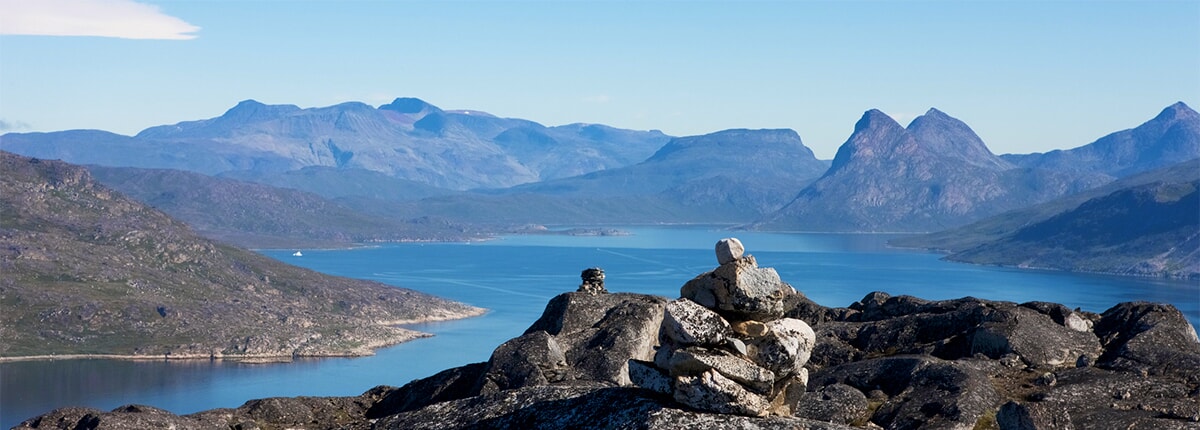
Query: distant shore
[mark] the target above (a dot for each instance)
(365, 350)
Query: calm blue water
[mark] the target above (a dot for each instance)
(515, 277)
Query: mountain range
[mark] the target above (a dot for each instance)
(407, 139)
(409, 170)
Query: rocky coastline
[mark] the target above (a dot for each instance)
(742, 349)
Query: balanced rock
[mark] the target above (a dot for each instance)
(687, 323)
(729, 249)
(786, 347)
(741, 290)
(694, 361)
(593, 281)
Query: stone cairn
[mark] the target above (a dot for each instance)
(593, 281)
(725, 344)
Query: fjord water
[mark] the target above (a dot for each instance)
(514, 277)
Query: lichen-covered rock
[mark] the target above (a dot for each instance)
(529, 360)
(741, 290)
(709, 391)
(1149, 338)
(1032, 416)
(567, 407)
(687, 323)
(694, 361)
(836, 403)
(921, 391)
(786, 346)
(599, 334)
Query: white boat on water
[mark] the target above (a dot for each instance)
(297, 254)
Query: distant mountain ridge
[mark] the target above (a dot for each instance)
(408, 139)
(1170, 137)
(934, 174)
(729, 176)
(1146, 224)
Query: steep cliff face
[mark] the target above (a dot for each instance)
(86, 270)
(892, 362)
(932, 175)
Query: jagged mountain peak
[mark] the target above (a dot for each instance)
(1178, 110)
(949, 137)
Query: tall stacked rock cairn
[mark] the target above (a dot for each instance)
(725, 344)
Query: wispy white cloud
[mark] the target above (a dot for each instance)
(6, 125)
(602, 98)
(125, 19)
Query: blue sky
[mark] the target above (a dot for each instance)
(1027, 76)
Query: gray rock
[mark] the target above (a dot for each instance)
(1032, 416)
(922, 391)
(712, 392)
(450, 384)
(647, 375)
(740, 290)
(694, 361)
(599, 334)
(687, 323)
(785, 348)
(560, 407)
(729, 249)
(1149, 338)
(836, 403)
(529, 360)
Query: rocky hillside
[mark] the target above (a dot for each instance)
(406, 139)
(260, 216)
(1170, 137)
(86, 270)
(932, 175)
(1146, 225)
(741, 349)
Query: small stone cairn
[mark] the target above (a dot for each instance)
(593, 281)
(725, 344)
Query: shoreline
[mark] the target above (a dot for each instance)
(365, 350)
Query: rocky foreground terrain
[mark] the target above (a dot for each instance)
(742, 349)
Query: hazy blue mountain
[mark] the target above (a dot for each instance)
(406, 139)
(1170, 137)
(934, 174)
(334, 183)
(727, 176)
(261, 216)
